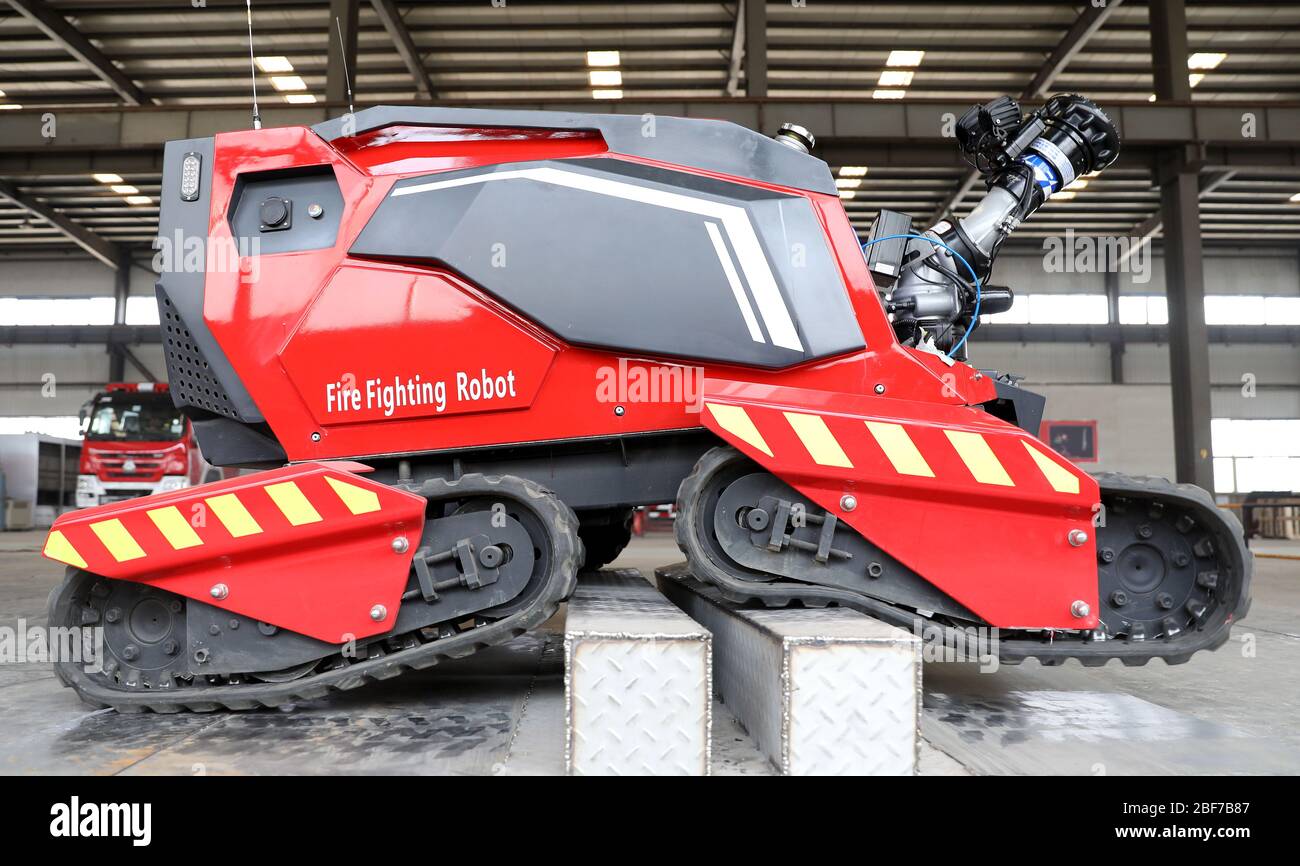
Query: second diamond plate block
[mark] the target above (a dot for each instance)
(822, 692)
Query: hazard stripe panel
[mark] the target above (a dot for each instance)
(292, 504)
(979, 458)
(899, 448)
(818, 439)
(174, 527)
(233, 515)
(356, 499)
(736, 421)
(117, 540)
(1061, 479)
(59, 548)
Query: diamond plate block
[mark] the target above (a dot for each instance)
(821, 691)
(637, 681)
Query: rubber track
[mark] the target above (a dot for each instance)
(1233, 556)
(245, 696)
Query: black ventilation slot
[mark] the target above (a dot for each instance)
(189, 376)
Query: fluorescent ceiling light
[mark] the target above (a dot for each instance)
(2, 93)
(896, 77)
(602, 58)
(848, 194)
(1079, 183)
(138, 199)
(1205, 60)
(888, 94)
(1195, 78)
(606, 94)
(1151, 98)
(853, 170)
(107, 178)
(905, 58)
(124, 189)
(288, 82)
(848, 182)
(1064, 195)
(1295, 198)
(274, 64)
(9, 106)
(299, 98)
(606, 78)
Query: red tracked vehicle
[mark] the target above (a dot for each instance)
(465, 343)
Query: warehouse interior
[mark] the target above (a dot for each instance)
(1157, 308)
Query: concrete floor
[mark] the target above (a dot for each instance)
(501, 712)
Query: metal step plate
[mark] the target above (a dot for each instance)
(822, 691)
(637, 681)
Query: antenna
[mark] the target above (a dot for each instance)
(343, 55)
(252, 67)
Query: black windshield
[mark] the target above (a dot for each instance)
(135, 418)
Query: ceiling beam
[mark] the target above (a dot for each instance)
(389, 16)
(73, 335)
(737, 51)
(57, 28)
(1147, 229)
(104, 250)
(1090, 20)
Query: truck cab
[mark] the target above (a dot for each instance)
(136, 442)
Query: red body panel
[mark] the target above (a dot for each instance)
(275, 330)
(315, 568)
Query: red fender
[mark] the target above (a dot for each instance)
(961, 497)
(308, 547)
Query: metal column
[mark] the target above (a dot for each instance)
(121, 291)
(1189, 351)
(756, 49)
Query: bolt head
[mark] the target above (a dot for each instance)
(113, 614)
(1080, 609)
(848, 502)
(219, 591)
(315, 437)
(490, 556)
(1144, 531)
(1119, 598)
(619, 411)
(1077, 537)
(400, 544)
(379, 613)
(1165, 601)
(130, 652)
(1106, 554)
(170, 647)
(880, 389)
(315, 211)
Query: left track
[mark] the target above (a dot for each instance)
(559, 557)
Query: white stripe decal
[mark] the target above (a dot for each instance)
(734, 219)
(729, 268)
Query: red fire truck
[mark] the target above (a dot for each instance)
(136, 442)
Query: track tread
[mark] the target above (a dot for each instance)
(245, 696)
(784, 593)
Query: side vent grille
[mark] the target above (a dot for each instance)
(190, 379)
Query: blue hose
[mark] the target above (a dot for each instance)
(976, 313)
